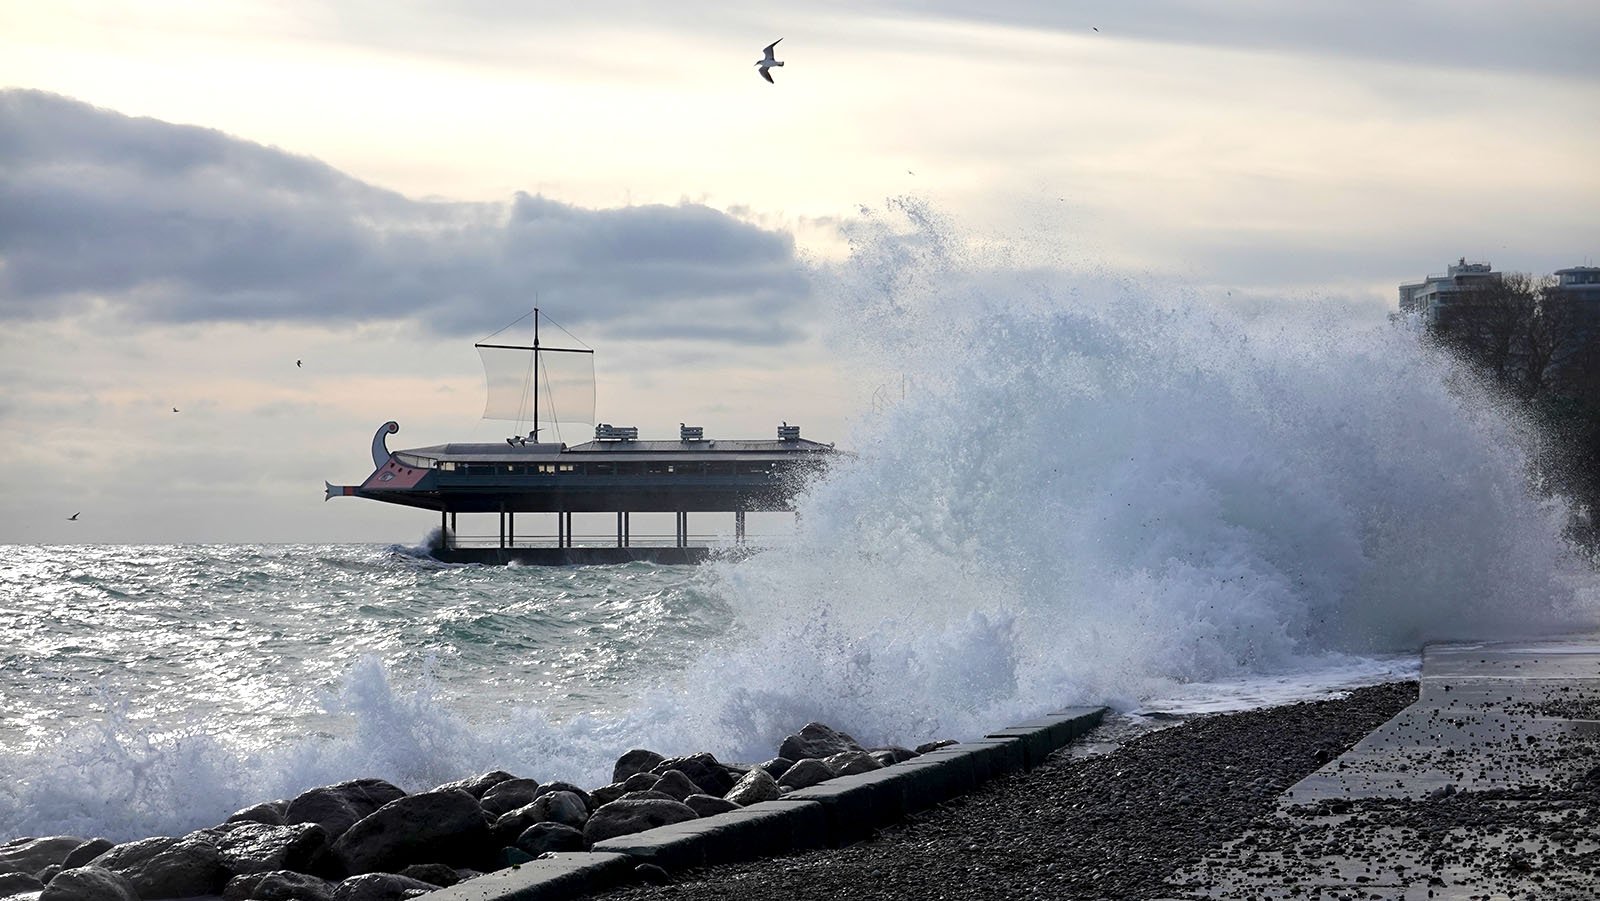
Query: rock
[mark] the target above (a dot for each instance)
(639, 782)
(167, 867)
(676, 784)
(647, 796)
(49, 873)
(338, 807)
(637, 760)
(928, 746)
(755, 786)
(89, 884)
(818, 741)
(269, 813)
(30, 855)
(703, 769)
(509, 795)
(849, 763)
(710, 806)
(477, 785)
(428, 827)
(777, 766)
(805, 773)
(884, 758)
(652, 874)
(624, 817)
(277, 885)
(383, 886)
(605, 794)
(258, 848)
(433, 873)
(542, 837)
(86, 852)
(510, 856)
(547, 787)
(894, 754)
(565, 808)
(17, 883)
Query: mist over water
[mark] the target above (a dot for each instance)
(1090, 491)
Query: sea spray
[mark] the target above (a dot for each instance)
(1092, 491)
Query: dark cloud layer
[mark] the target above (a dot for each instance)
(169, 223)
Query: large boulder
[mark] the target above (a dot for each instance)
(542, 837)
(256, 848)
(755, 786)
(338, 807)
(268, 813)
(637, 760)
(89, 884)
(86, 852)
(30, 855)
(562, 807)
(805, 773)
(507, 796)
(548, 787)
(383, 886)
(626, 817)
(167, 867)
(708, 806)
(18, 883)
(605, 794)
(676, 784)
(703, 769)
(651, 795)
(640, 782)
(777, 766)
(893, 754)
(849, 763)
(277, 885)
(477, 785)
(428, 827)
(817, 740)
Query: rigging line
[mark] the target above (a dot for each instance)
(564, 331)
(508, 325)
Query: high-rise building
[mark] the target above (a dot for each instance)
(1433, 295)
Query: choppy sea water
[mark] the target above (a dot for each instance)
(1080, 495)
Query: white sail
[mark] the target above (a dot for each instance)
(565, 383)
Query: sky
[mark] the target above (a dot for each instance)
(194, 196)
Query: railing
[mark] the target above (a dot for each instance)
(696, 539)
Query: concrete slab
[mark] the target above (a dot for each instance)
(558, 877)
(1486, 787)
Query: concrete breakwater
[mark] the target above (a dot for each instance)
(367, 840)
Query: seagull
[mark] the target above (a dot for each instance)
(1096, 30)
(74, 517)
(768, 61)
(297, 364)
(174, 409)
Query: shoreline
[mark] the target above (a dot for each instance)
(1115, 824)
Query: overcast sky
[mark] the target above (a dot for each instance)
(194, 196)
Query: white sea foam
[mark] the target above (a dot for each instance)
(1091, 493)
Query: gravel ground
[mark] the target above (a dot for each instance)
(1115, 825)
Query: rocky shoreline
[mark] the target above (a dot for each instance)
(367, 840)
(1114, 825)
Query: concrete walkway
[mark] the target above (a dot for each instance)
(1487, 788)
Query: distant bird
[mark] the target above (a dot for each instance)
(74, 517)
(174, 409)
(297, 364)
(768, 61)
(909, 172)
(1096, 30)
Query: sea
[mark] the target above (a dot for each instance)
(1078, 494)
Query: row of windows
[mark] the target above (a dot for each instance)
(611, 469)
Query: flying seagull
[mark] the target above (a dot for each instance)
(74, 517)
(174, 409)
(768, 61)
(297, 364)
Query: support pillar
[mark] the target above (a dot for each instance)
(561, 529)
(502, 525)
(511, 528)
(452, 522)
(738, 527)
(627, 528)
(568, 516)
(619, 530)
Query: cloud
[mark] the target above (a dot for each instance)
(165, 223)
